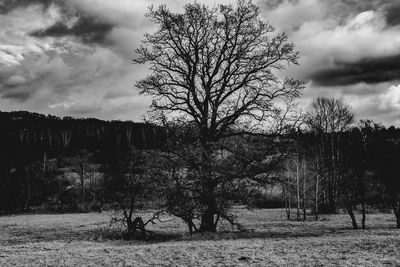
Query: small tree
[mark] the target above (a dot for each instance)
(130, 186)
(215, 68)
(79, 164)
(295, 182)
(329, 118)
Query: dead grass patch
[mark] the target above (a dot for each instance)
(86, 239)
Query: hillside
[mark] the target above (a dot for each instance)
(40, 155)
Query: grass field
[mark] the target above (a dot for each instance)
(77, 239)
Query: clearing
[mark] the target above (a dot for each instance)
(78, 239)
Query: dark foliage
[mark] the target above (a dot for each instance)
(39, 153)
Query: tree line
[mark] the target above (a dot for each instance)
(43, 157)
(337, 163)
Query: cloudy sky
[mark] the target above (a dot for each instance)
(74, 57)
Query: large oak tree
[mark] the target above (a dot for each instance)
(218, 69)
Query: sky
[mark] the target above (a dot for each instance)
(74, 57)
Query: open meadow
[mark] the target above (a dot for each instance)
(85, 239)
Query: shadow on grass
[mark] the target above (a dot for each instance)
(160, 237)
(18, 236)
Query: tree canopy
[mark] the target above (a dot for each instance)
(216, 66)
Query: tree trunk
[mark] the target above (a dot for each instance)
(82, 177)
(190, 228)
(316, 193)
(333, 179)
(298, 187)
(304, 190)
(363, 203)
(353, 218)
(396, 210)
(363, 217)
(28, 189)
(207, 221)
(288, 199)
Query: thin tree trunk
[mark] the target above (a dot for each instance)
(82, 174)
(396, 210)
(353, 217)
(316, 192)
(304, 191)
(365, 140)
(333, 180)
(28, 189)
(323, 176)
(285, 197)
(298, 187)
(363, 202)
(288, 195)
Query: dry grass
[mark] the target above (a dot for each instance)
(76, 239)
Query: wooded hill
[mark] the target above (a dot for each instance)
(31, 142)
(66, 164)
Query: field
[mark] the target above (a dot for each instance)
(80, 239)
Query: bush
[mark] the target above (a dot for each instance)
(263, 201)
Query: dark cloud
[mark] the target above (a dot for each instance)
(17, 95)
(368, 70)
(87, 29)
(393, 15)
(8, 5)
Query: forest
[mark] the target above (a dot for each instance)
(48, 163)
(52, 164)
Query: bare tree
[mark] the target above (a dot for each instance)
(216, 67)
(298, 171)
(317, 185)
(130, 186)
(305, 189)
(80, 164)
(286, 185)
(296, 183)
(329, 118)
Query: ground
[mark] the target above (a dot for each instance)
(82, 240)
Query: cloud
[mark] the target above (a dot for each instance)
(74, 57)
(336, 38)
(15, 26)
(324, 45)
(366, 70)
(9, 5)
(392, 15)
(111, 95)
(19, 94)
(391, 99)
(382, 107)
(66, 76)
(289, 15)
(349, 49)
(127, 13)
(15, 80)
(85, 28)
(84, 108)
